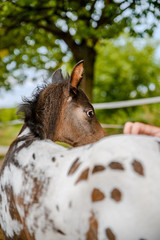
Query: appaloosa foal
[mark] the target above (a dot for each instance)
(105, 190)
(59, 111)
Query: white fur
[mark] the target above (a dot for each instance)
(69, 99)
(136, 216)
(25, 132)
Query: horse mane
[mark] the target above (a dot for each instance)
(32, 107)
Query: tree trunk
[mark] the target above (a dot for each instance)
(88, 54)
(80, 52)
(88, 81)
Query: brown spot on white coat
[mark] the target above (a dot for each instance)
(83, 176)
(110, 234)
(92, 233)
(138, 168)
(116, 195)
(97, 195)
(74, 166)
(116, 166)
(98, 168)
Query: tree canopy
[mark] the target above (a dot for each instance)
(43, 34)
(124, 71)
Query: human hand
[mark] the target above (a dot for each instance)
(141, 128)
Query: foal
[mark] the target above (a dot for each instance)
(59, 111)
(107, 190)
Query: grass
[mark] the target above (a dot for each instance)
(1, 161)
(8, 133)
(1, 157)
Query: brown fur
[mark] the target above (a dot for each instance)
(51, 115)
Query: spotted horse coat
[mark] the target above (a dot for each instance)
(106, 190)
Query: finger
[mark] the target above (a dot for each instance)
(152, 130)
(128, 128)
(138, 128)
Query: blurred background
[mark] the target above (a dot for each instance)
(118, 40)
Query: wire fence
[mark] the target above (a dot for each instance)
(14, 122)
(3, 150)
(127, 103)
(110, 105)
(124, 104)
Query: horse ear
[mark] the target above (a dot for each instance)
(77, 74)
(57, 76)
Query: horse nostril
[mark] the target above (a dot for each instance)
(90, 113)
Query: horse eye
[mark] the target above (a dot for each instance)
(90, 113)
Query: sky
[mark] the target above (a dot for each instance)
(14, 97)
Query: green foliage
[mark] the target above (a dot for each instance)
(28, 25)
(7, 115)
(1, 161)
(123, 72)
(8, 133)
